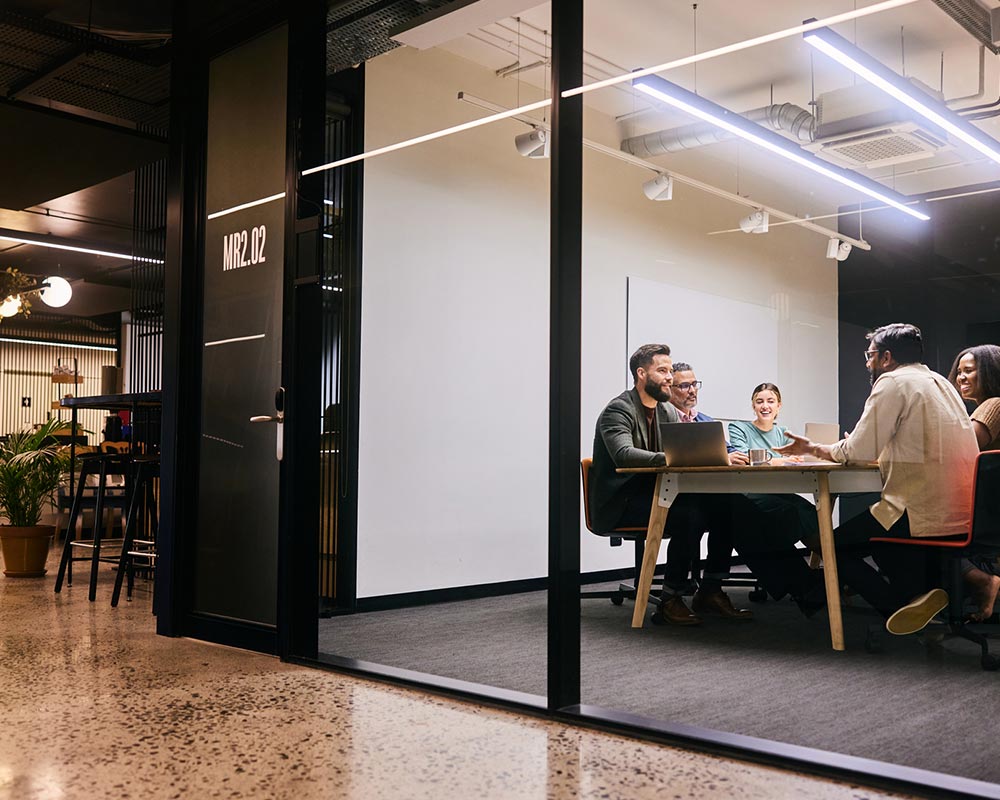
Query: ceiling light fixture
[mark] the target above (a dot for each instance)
(11, 306)
(755, 222)
(838, 249)
(533, 144)
(76, 249)
(678, 97)
(659, 188)
(427, 137)
(17, 289)
(55, 292)
(897, 87)
(836, 19)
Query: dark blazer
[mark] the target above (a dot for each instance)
(620, 440)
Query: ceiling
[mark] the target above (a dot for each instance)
(920, 40)
(84, 91)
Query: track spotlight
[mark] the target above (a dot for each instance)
(755, 222)
(659, 188)
(838, 249)
(534, 144)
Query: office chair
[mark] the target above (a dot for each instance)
(982, 538)
(637, 535)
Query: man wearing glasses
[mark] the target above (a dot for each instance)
(684, 397)
(915, 425)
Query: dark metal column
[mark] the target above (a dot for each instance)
(185, 216)
(298, 537)
(566, 211)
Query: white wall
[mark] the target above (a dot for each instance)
(453, 475)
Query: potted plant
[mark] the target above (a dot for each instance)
(32, 467)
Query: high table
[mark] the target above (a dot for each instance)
(133, 401)
(818, 479)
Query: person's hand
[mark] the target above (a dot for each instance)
(737, 458)
(799, 446)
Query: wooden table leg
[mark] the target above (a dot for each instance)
(824, 513)
(654, 537)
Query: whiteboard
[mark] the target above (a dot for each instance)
(732, 345)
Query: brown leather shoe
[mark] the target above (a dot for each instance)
(673, 611)
(718, 602)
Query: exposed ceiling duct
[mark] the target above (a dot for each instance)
(972, 16)
(785, 117)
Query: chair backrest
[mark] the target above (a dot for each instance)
(114, 447)
(585, 474)
(585, 465)
(986, 500)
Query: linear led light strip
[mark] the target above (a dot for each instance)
(678, 97)
(75, 249)
(427, 137)
(744, 45)
(789, 219)
(880, 76)
(720, 51)
(242, 206)
(60, 344)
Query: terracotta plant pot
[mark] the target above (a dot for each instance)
(25, 550)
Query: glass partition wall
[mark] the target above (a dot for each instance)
(444, 293)
(759, 210)
(754, 199)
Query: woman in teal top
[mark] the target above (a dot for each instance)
(762, 433)
(792, 517)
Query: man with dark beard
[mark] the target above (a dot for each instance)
(628, 435)
(916, 426)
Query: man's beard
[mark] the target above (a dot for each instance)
(657, 392)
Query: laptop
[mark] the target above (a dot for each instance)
(694, 444)
(822, 433)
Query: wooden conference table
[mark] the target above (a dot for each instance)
(816, 478)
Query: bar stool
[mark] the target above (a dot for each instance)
(146, 470)
(103, 466)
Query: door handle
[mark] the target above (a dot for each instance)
(279, 418)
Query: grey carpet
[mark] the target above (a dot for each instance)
(914, 704)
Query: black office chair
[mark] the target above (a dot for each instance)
(983, 538)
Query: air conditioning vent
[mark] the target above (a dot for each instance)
(880, 147)
(860, 126)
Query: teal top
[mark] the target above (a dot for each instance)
(746, 436)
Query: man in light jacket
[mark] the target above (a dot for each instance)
(915, 425)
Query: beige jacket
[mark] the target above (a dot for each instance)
(915, 424)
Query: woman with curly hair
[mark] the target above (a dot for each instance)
(976, 375)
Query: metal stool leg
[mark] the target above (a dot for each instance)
(125, 561)
(95, 557)
(66, 561)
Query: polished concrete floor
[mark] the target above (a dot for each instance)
(93, 704)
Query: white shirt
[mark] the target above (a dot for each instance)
(915, 424)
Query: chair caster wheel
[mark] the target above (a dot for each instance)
(990, 662)
(617, 599)
(873, 639)
(656, 619)
(757, 596)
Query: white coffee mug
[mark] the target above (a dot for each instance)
(760, 457)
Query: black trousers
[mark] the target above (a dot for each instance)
(907, 571)
(769, 527)
(689, 517)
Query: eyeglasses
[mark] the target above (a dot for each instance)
(685, 386)
(870, 355)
